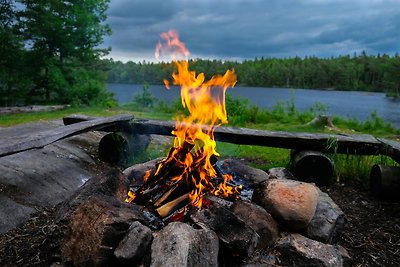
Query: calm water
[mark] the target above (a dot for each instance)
(357, 105)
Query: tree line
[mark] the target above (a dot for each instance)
(364, 72)
(49, 52)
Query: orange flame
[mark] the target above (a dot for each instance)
(205, 101)
(173, 45)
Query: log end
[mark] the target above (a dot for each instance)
(385, 182)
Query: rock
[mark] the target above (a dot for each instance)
(236, 168)
(290, 202)
(134, 245)
(328, 220)
(136, 172)
(95, 229)
(180, 245)
(297, 250)
(347, 260)
(259, 220)
(237, 236)
(280, 173)
(261, 261)
(39, 178)
(12, 214)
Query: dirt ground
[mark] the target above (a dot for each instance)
(372, 228)
(371, 234)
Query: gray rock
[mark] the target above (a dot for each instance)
(328, 220)
(297, 250)
(42, 177)
(134, 245)
(180, 245)
(258, 219)
(290, 202)
(136, 172)
(12, 214)
(280, 173)
(261, 261)
(236, 235)
(236, 168)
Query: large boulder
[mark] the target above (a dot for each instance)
(290, 202)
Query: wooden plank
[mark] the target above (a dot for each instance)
(349, 144)
(43, 138)
(390, 148)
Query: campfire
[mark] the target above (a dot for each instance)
(189, 172)
(193, 209)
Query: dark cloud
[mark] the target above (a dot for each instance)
(243, 29)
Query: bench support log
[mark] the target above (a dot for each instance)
(312, 167)
(385, 182)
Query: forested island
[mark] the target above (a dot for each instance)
(380, 73)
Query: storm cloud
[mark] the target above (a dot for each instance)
(245, 29)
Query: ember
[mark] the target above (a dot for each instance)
(188, 172)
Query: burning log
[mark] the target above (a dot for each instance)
(176, 204)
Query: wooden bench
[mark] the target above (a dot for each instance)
(357, 144)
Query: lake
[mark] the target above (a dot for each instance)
(347, 104)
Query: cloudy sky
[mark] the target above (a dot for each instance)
(245, 29)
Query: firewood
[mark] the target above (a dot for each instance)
(173, 205)
(175, 190)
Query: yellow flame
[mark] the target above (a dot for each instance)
(205, 101)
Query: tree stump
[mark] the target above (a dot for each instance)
(385, 182)
(312, 167)
(322, 120)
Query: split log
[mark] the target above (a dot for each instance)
(28, 109)
(176, 204)
(360, 144)
(312, 167)
(43, 138)
(385, 182)
(76, 118)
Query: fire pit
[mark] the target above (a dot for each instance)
(191, 209)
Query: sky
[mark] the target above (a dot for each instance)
(246, 29)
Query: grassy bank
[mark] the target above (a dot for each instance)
(284, 116)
